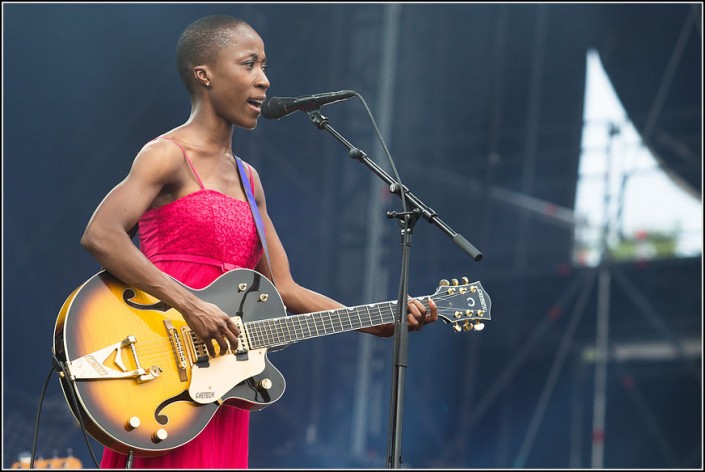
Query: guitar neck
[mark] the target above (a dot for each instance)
(288, 329)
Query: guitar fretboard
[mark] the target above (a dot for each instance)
(287, 329)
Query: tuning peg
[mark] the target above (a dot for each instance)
(480, 313)
(469, 312)
(465, 280)
(479, 326)
(467, 326)
(458, 314)
(454, 282)
(443, 283)
(457, 328)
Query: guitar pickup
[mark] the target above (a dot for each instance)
(197, 351)
(195, 348)
(242, 345)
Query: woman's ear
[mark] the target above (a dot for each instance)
(202, 74)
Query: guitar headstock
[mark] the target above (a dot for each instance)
(465, 306)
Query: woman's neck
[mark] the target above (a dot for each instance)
(203, 132)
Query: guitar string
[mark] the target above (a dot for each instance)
(282, 327)
(283, 334)
(278, 331)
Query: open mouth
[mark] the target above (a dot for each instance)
(255, 103)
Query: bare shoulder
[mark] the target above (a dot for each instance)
(259, 190)
(251, 168)
(158, 161)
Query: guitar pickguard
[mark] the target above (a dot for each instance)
(209, 382)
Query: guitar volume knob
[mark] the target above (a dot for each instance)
(132, 423)
(264, 384)
(160, 435)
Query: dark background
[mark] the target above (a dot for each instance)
(483, 98)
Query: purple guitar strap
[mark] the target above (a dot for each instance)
(255, 211)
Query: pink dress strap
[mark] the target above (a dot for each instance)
(186, 156)
(250, 175)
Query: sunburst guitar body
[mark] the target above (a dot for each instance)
(142, 382)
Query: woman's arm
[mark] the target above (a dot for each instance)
(107, 238)
(298, 299)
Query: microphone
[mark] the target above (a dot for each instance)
(278, 107)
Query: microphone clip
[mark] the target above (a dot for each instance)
(319, 120)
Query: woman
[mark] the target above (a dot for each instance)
(185, 195)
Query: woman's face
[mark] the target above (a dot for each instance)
(238, 80)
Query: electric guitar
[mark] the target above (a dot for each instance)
(143, 382)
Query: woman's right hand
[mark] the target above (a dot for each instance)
(210, 324)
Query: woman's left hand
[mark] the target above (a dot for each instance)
(418, 316)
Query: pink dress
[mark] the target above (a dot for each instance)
(195, 239)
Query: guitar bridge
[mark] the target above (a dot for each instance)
(92, 366)
(178, 350)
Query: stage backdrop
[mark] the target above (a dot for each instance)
(473, 101)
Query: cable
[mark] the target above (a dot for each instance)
(77, 411)
(36, 423)
(386, 151)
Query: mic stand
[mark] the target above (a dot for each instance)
(407, 221)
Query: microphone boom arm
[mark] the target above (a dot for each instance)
(322, 123)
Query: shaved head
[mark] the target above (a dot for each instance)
(201, 42)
